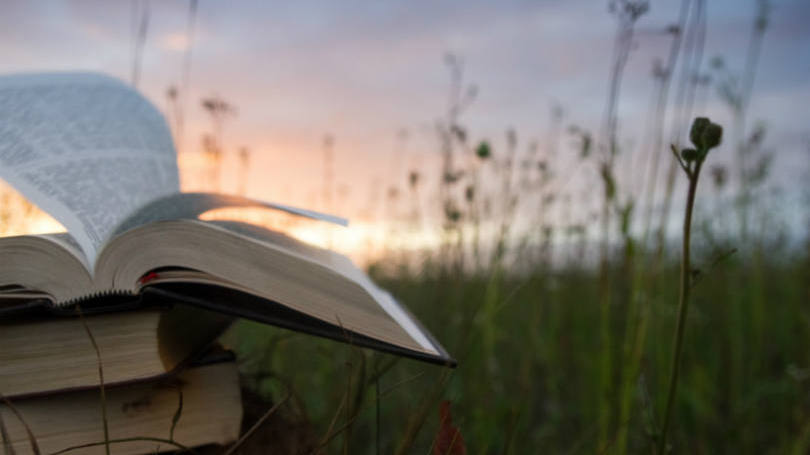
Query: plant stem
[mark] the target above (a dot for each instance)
(683, 305)
(100, 380)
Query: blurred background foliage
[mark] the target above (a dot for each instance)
(563, 325)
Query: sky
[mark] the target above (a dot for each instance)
(371, 75)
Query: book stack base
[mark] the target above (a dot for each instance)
(140, 416)
(50, 368)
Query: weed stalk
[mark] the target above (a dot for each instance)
(705, 136)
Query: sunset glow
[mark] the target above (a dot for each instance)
(362, 241)
(287, 76)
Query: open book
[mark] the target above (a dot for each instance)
(99, 158)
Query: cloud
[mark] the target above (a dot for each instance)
(363, 70)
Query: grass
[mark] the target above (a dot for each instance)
(535, 369)
(537, 385)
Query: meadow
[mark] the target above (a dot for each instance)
(534, 374)
(564, 326)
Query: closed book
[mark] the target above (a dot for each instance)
(198, 406)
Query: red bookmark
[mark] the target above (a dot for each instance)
(147, 278)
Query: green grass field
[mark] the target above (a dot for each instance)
(535, 375)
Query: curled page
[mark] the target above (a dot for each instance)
(85, 148)
(192, 205)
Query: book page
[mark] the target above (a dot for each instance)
(85, 148)
(192, 205)
(69, 244)
(338, 263)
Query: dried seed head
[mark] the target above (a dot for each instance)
(511, 138)
(451, 212)
(585, 149)
(719, 174)
(413, 179)
(459, 132)
(469, 193)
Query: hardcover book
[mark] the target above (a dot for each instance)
(99, 158)
(200, 405)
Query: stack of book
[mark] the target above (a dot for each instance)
(138, 289)
(164, 389)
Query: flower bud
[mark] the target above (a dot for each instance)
(689, 155)
(696, 133)
(712, 136)
(483, 150)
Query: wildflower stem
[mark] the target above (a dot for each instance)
(683, 303)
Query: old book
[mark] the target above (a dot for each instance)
(99, 158)
(40, 355)
(143, 412)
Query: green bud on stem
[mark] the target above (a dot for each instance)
(712, 136)
(705, 135)
(689, 155)
(696, 133)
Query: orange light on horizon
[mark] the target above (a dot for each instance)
(362, 241)
(39, 223)
(19, 217)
